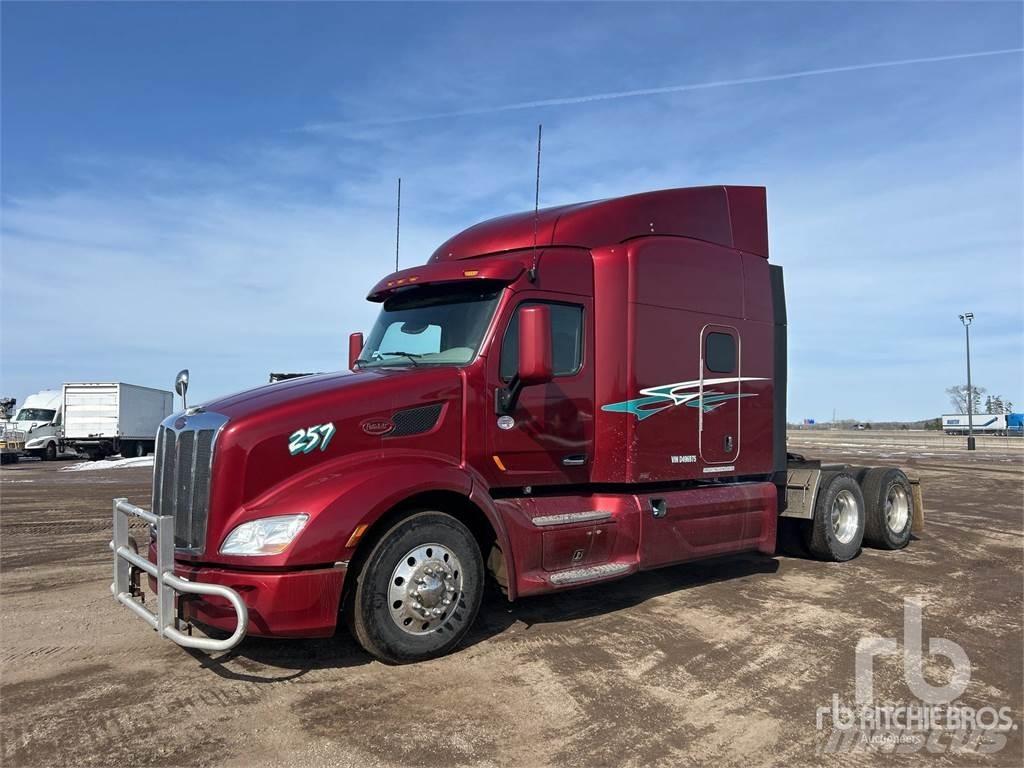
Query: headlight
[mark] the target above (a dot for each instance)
(267, 536)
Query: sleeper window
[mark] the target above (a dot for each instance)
(720, 353)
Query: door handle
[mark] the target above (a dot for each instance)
(574, 460)
(728, 443)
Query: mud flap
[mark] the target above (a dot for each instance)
(917, 524)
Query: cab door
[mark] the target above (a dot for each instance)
(548, 438)
(721, 398)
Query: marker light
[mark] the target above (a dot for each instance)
(267, 536)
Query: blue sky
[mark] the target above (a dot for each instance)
(212, 186)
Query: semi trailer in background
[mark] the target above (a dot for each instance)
(556, 399)
(984, 423)
(104, 418)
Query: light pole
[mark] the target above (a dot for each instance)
(966, 319)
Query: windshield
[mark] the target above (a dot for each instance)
(35, 414)
(431, 325)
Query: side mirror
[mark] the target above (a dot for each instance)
(534, 345)
(355, 346)
(181, 385)
(535, 365)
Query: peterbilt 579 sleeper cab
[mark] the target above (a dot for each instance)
(609, 400)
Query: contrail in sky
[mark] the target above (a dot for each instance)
(567, 100)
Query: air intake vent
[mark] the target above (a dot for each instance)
(414, 421)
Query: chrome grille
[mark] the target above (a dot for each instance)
(181, 477)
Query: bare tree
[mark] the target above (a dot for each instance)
(958, 398)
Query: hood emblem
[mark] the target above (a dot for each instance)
(377, 427)
(179, 423)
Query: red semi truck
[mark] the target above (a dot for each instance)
(553, 400)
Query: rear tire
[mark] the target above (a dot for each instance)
(889, 507)
(837, 530)
(132, 449)
(423, 561)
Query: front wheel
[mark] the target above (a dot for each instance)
(49, 452)
(419, 590)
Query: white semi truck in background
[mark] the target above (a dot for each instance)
(40, 419)
(104, 418)
(35, 428)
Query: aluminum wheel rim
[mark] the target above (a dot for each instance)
(845, 517)
(425, 589)
(897, 508)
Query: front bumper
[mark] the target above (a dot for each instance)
(281, 604)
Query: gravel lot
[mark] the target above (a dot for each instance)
(721, 662)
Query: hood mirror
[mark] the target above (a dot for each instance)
(355, 348)
(181, 385)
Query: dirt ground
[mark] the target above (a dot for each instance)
(720, 662)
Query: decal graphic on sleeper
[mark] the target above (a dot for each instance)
(657, 399)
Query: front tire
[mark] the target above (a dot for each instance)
(49, 452)
(837, 530)
(419, 590)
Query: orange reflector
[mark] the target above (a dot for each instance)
(413, 279)
(497, 461)
(471, 273)
(357, 534)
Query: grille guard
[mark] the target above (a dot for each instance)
(165, 619)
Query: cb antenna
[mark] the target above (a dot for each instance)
(536, 209)
(398, 221)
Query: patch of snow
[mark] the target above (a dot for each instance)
(85, 466)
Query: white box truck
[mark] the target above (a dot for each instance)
(104, 418)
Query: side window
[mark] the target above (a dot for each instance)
(566, 340)
(720, 353)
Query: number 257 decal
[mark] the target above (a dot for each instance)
(307, 440)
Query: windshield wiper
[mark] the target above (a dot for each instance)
(411, 355)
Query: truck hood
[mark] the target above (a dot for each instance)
(347, 417)
(334, 386)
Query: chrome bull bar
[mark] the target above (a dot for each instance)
(164, 620)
